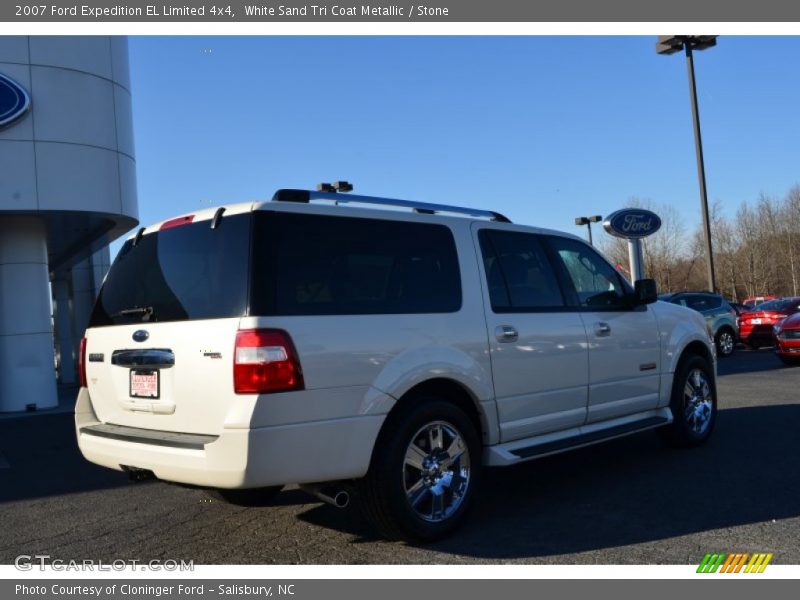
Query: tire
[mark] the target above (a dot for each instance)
(789, 361)
(411, 462)
(695, 416)
(249, 497)
(725, 341)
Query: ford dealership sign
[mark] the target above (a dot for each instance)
(14, 101)
(632, 223)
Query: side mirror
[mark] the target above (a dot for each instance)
(645, 291)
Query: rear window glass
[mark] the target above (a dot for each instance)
(183, 273)
(786, 304)
(318, 265)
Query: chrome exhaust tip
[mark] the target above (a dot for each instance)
(329, 494)
(135, 474)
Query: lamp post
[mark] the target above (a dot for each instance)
(588, 222)
(670, 44)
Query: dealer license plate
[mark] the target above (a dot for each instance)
(144, 383)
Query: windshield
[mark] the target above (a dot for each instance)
(185, 272)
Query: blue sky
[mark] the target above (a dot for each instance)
(542, 129)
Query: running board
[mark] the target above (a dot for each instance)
(523, 450)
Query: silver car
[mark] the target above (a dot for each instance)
(720, 316)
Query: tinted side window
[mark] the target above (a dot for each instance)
(596, 282)
(706, 303)
(319, 265)
(518, 273)
(682, 300)
(698, 303)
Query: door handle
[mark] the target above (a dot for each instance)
(506, 333)
(602, 329)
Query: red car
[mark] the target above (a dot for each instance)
(755, 325)
(754, 301)
(787, 339)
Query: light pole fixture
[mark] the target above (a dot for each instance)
(670, 44)
(588, 222)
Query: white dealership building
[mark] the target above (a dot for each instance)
(67, 188)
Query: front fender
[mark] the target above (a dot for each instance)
(678, 327)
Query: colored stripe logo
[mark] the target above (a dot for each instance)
(739, 562)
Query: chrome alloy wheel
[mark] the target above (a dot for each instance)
(726, 343)
(697, 402)
(436, 471)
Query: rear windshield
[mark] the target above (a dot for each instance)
(784, 304)
(182, 273)
(320, 265)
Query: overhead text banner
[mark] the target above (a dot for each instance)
(407, 10)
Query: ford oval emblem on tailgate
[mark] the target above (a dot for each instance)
(140, 335)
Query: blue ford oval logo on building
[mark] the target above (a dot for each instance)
(140, 335)
(14, 101)
(632, 223)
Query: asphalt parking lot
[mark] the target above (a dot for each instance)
(629, 501)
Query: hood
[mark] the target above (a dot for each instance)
(682, 313)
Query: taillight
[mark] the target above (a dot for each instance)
(265, 361)
(82, 364)
(176, 222)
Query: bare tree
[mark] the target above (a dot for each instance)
(726, 246)
(756, 251)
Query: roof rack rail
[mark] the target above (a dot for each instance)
(306, 196)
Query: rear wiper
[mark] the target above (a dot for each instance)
(145, 311)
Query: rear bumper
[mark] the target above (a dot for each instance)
(237, 458)
(761, 336)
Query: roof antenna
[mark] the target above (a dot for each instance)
(336, 186)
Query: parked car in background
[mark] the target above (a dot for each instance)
(755, 326)
(720, 316)
(754, 301)
(786, 335)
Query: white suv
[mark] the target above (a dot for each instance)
(390, 351)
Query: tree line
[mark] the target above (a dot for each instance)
(756, 252)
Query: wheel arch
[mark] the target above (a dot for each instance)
(727, 326)
(452, 391)
(696, 348)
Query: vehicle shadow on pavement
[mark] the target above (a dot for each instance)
(630, 491)
(749, 361)
(43, 459)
